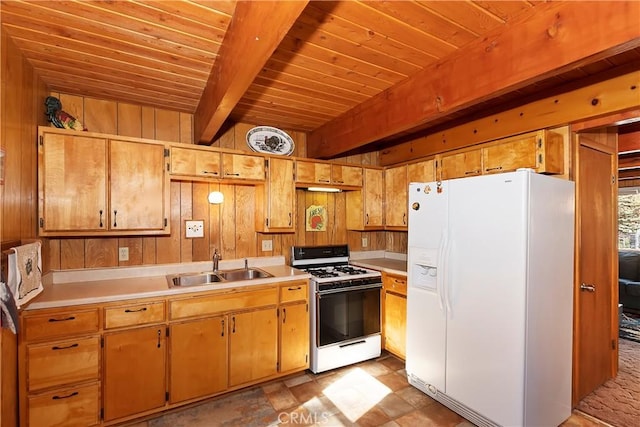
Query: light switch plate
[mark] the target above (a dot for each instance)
(194, 228)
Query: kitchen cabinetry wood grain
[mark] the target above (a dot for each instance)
(396, 186)
(294, 327)
(95, 185)
(134, 371)
(315, 173)
(394, 313)
(345, 175)
(459, 165)
(275, 199)
(243, 167)
(194, 163)
(198, 358)
(253, 345)
(364, 207)
(73, 407)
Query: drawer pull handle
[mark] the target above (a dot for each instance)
(128, 310)
(294, 289)
(63, 320)
(284, 315)
(208, 172)
(64, 348)
(75, 393)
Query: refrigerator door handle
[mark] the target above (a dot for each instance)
(441, 279)
(445, 273)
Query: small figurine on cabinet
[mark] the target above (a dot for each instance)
(60, 118)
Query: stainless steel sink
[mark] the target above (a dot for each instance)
(193, 279)
(207, 278)
(243, 274)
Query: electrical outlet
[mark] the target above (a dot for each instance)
(365, 242)
(194, 228)
(123, 254)
(267, 245)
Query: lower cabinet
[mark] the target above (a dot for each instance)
(253, 345)
(77, 406)
(394, 313)
(134, 371)
(294, 337)
(197, 358)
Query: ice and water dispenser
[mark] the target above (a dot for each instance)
(423, 268)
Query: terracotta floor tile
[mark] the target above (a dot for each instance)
(373, 418)
(282, 399)
(394, 381)
(375, 368)
(394, 406)
(440, 415)
(306, 391)
(392, 363)
(415, 397)
(273, 386)
(300, 379)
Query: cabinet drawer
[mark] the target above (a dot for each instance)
(70, 407)
(218, 303)
(60, 324)
(133, 314)
(294, 291)
(395, 284)
(62, 362)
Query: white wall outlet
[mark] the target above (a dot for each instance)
(267, 245)
(365, 242)
(194, 228)
(123, 254)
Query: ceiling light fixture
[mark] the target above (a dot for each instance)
(216, 197)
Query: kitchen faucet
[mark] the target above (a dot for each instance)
(216, 257)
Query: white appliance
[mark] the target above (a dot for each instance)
(490, 296)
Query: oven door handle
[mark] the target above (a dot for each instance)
(351, 289)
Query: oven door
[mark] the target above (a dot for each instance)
(347, 314)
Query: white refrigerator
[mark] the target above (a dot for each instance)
(490, 296)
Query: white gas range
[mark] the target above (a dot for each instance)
(344, 306)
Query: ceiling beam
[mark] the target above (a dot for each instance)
(255, 31)
(550, 39)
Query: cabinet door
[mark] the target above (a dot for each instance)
(294, 337)
(423, 171)
(312, 172)
(253, 345)
(373, 190)
(346, 175)
(280, 197)
(195, 163)
(242, 166)
(138, 186)
(459, 165)
(198, 358)
(72, 183)
(134, 371)
(396, 189)
(395, 323)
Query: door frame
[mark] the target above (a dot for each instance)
(575, 129)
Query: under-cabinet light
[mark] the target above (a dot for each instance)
(324, 189)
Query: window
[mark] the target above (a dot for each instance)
(629, 218)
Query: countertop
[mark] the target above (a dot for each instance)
(394, 264)
(92, 286)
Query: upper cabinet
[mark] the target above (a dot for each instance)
(243, 167)
(364, 206)
(396, 188)
(94, 184)
(323, 173)
(275, 199)
(194, 162)
(542, 151)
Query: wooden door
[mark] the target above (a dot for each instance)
(195, 162)
(595, 330)
(395, 192)
(313, 173)
(346, 175)
(373, 190)
(281, 193)
(395, 323)
(137, 186)
(72, 183)
(253, 345)
(242, 166)
(509, 156)
(134, 371)
(294, 337)
(423, 171)
(468, 163)
(198, 358)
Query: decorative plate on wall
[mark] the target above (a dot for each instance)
(270, 140)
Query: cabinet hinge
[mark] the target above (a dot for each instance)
(166, 152)
(266, 222)
(102, 413)
(168, 169)
(540, 158)
(41, 222)
(278, 366)
(165, 222)
(277, 312)
(613, 179)
(41, 140)
(539, 142)
(306, 358)
(102, 342)
(307, 308)
(613, 344)
(167, 331)
(166, 396)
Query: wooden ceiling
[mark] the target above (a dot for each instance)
(311, 67)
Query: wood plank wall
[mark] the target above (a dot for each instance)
(228, 227)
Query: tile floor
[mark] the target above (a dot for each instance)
(371, 393)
